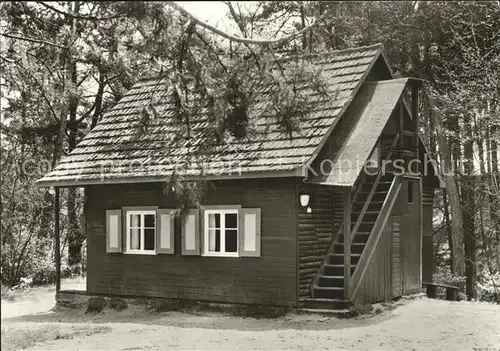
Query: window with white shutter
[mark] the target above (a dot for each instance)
(113, 231)
(249, 232)
(191, 233)
(165, 231)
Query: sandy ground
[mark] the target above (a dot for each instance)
(414, 324)
(36, 300)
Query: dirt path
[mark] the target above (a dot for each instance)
(37, 300)
(417, 324)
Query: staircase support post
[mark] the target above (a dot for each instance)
(416, 121)
(347, 242)
(57, 240)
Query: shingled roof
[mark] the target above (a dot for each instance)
(365, 121)
(114, 152)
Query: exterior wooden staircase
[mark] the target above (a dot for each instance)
(370, 207)
(330, 281)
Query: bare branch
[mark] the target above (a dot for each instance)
(32, 40)
(8, 60)
(239, 22)
(240, 39)
(75, 16)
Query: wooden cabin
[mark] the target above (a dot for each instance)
(334, 214)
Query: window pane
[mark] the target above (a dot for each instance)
(149, 221)
(231, 220)
(135, 239)
(214, 220)
(149, 239)
(214, 240)
(231, 241)
(135, 220)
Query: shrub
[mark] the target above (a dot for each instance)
(44, 276)
(259, 311)
(488, 287)
(461, 296)
(160, 305)
(445, 277)
(359, 309)
(117, 304)
(96, 304)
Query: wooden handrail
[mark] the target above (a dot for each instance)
(374, 237)
(372, 191)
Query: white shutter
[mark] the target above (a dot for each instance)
(113, 231)
(191, 233)
(165, 231)
(249, 228)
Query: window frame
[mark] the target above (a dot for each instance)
(206, 240)
(142, 228)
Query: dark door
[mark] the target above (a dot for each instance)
(410, 237)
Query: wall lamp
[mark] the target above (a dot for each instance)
(304, 199)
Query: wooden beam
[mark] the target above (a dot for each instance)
(401, 128)
(416, 119)
(409, 133)
(347, 242)
(57, 248)
(374, 237)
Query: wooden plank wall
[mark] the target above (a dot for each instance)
(428, 263)
(269, 279)
(316, 230)
(377, 281)
(410, 239)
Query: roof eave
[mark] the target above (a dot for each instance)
(42, 183)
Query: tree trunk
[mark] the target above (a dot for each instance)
(98, 101)
(74, 236)
(457, 265)
(448, 229)
(468, 190)
(303, 23)
(494, 192)
(74, 240)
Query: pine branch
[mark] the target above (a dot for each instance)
(240, 39)
(32, 40)
(75, 16)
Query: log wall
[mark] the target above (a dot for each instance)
(316, 230)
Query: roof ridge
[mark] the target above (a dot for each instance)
(379, 46)
(286, 58)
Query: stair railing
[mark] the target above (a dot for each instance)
(320, 270)
(375, 235)
(373, 189)
(339, 231)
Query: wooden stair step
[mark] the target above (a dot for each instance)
(321, 303)
(338, 313)
(366, 212)
(328, 292)
(384, 192)
(336, 269)
(371, 202)
(331, 280)
(338, 258)
(355, 248)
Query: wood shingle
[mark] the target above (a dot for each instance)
(115, 151)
